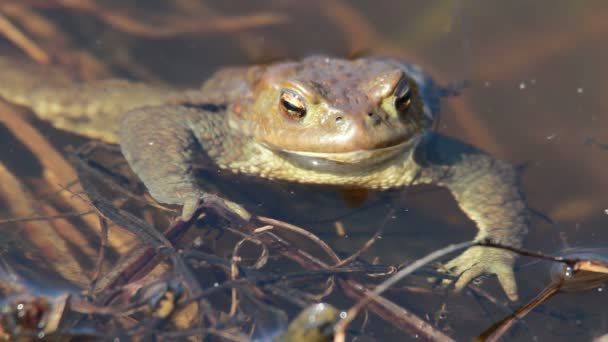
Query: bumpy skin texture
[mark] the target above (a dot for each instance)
(361, 123)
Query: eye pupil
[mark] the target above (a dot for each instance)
(289, 106)
(292, 105)
(403, 101)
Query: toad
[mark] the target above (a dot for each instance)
(361, 123)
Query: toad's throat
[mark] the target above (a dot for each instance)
(344, 162)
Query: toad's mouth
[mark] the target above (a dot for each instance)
(357, 160)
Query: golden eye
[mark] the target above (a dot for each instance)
(292, 105)
(403, 97)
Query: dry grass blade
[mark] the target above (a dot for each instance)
(360, 34)
(507, 57)
(32, 22)
(389, 311)
(368, 243)
(496, 331)
(582, 264)
(18, 38)
(593, 265)
(166, 26)
(102, 253)
(299, 230)
(44, 218)
(50, 244)
(570, 280)
(57, 170)
(54, 41)
(374, 295)
(143, 258)
(180, 26)
(235, 259)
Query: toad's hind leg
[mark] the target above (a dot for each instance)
(160, 145)
(92, 109)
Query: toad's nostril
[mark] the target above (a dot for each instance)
(373, 118)
(339, 119)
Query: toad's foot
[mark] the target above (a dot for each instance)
(227, 209)
(479, 260)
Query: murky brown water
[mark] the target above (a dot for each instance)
(537, 98)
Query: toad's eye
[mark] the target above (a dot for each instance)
(292, 105)
(403, 97)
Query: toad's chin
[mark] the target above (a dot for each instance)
(357, 160)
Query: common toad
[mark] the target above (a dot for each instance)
(356, 123)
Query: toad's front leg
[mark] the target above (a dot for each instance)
(161, 143)
(488, 191)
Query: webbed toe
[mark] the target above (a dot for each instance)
(477, 261)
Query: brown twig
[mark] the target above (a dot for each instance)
(235, 259)
(299, 230)
(496, 331)
(370, 242)
(389, 311)
(351, 314)
(577, 264)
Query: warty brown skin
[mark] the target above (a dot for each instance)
(319, 120)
